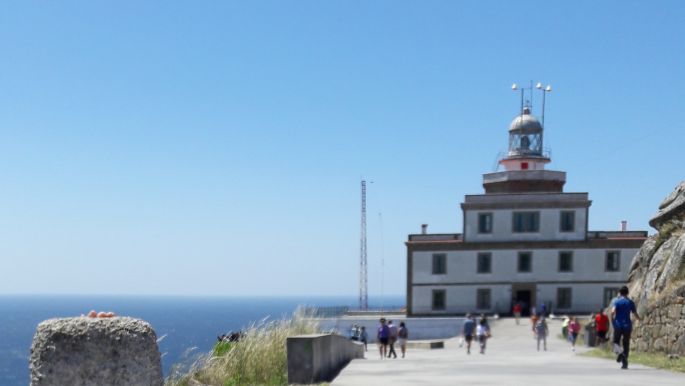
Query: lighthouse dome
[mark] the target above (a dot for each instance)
(525, 123)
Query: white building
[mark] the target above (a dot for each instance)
(524, 240)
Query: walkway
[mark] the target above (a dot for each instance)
(511, 359)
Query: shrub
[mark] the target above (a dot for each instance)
(258, 358)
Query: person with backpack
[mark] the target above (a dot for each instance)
(541, 332)
(403, 335)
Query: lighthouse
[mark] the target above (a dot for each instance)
(524, 241)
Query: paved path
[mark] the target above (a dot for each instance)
(511, 359)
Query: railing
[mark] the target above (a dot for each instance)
(336, 311)
(615, 234)
(437, 237)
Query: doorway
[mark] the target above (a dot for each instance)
(524, 293)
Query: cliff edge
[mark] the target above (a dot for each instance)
(657, 280)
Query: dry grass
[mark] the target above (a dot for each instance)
(259, 358)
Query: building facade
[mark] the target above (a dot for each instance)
(524, 240)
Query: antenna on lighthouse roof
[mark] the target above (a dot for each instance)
(544, 90)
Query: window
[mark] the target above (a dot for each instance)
(439, 264)
(568, 221)
(484, 222)
(609, 295)
(438, 299)
(525, 263)
(563, 298)
(566, 261)
(526, 222)
(483, 297)
(484, 262)
(613, 261)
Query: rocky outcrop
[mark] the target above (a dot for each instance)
(657, 280)
(94, 351)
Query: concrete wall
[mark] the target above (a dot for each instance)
(319, 358)
(502, 222)
(419, 328)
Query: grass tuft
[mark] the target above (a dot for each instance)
(259, 358)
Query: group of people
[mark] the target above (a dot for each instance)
(480, 329)
(389, 334)
(621, 310)
(622, 307)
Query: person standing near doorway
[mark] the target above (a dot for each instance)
(517, 311)
(623, 325)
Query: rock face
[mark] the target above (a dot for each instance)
(657, 280)
(91, 351)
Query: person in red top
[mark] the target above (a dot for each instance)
(517, 311)
(573, 330)
(602, 327)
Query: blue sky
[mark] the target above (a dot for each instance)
(217, 147)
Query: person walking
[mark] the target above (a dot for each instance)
(382, 336)
(392, 338)
(564, 325)
(601, 328)
(517, 312)
(467, 331)
(533, 322)
(364, 338)
(483, 333)
(541, 332)
(573, 330)
(623, 325)
(402, 336)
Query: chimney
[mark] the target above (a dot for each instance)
(624, 225)
(424, 228)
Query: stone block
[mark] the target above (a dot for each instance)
(92, 351)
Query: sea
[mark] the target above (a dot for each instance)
(186, 326)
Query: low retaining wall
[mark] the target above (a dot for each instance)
(319, 358)
(420, 328)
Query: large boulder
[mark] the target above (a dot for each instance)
(95, 351)
(657, 279)
(670, 207)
